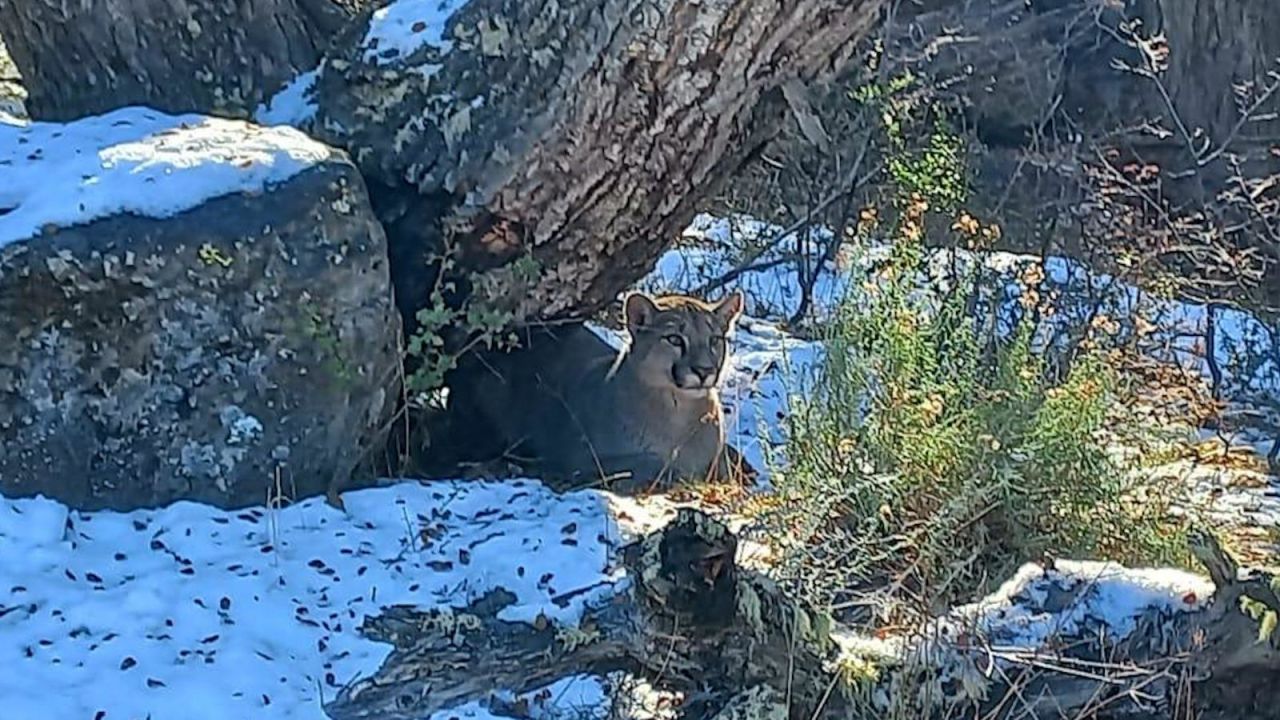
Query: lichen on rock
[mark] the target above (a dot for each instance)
(154, 358)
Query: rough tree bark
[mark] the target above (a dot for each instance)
(223, 57)
(689, 620)
(580, 134)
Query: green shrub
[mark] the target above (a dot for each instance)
(937, 454)
(477, 319)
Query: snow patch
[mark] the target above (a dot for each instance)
(405, 26)
(194, 612)
(136, 160)
(1077, 598)
(31, 523)
(294, 105)
(771, 288)
(245, 430)
(580, 697)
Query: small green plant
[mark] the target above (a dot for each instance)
(1261, 614)
(478, 317)
(923, 154)
(942, 459)
(320, 330)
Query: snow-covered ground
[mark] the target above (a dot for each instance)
(193, 612)
(1078, 598)
(294, 105)
(1027, 622)
(136, 160)
(190, 612)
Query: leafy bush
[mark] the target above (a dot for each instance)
(939, 451)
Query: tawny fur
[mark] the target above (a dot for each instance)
(576, 407)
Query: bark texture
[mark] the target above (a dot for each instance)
(692, 621)
(1216, 47)
(220, 56)
(580, 134)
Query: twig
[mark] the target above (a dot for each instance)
(850, 183)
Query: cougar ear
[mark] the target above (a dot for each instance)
(639, 309)
(730, 307)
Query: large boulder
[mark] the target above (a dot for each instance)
(190, 308)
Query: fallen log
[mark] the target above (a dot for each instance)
(690, 620)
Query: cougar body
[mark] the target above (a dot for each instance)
(577, 408)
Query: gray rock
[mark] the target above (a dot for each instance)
(246, 345)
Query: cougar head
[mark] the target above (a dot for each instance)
(679, 341)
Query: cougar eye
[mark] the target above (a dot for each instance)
(675, 340)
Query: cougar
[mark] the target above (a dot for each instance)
(582, 411)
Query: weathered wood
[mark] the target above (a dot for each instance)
(685, 614)
(213, 56)
(580, 134)
(690, 620)
(433, 665)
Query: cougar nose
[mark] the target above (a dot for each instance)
(706, 373)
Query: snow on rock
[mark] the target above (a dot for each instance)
(195, 612)
(401, 28)
(1036, 613)
(136, 160)
(158, 279)
(294, 105)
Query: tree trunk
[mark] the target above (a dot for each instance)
(211, 56)
(690, 620)
(580, 135)
(1216, 47)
